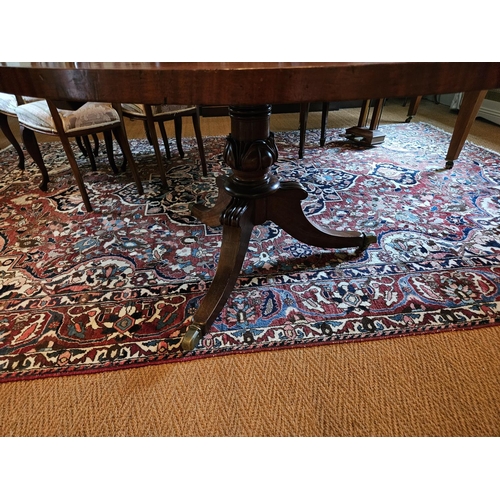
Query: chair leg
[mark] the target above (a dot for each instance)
(146, 131)
(324, 121)
(4, 126)
(83, 149)
(122, 140)
(96, 144)
(108, 141)
(304, 112)
(125, 161)
(90, 153)
(178, 135)
(165, 139)
(199, 140)
(154, 138)
(76, 171)
(31, 145)
(81, 146)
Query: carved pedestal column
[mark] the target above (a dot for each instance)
(252, 195)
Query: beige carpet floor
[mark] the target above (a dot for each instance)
(443, 384)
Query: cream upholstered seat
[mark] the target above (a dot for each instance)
(37, 117)
(8, 107)
(159, 114)
(90, 118)
(8, 104)
(139, 110)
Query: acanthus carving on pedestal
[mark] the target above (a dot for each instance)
(250, 156)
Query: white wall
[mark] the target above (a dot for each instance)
(490, 109)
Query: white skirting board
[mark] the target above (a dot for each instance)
(490, 110)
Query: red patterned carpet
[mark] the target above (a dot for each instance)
(115, 288)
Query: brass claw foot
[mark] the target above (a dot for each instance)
(368, 239)
(191, 338)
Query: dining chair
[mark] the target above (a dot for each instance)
(159, 114)
(90, 118)
(8, 106)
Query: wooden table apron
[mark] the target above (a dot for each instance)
(252, 194)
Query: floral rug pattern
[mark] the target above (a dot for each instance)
(85, 292)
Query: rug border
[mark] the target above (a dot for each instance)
(195, 357)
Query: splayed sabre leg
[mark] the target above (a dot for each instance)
(249, 197)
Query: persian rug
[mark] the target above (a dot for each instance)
(116, 288)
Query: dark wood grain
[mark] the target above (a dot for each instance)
(243, 83)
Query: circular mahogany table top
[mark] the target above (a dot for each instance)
(243, 83)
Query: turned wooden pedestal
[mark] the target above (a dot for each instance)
(251, 195)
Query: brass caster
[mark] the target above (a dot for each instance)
(448, 166)
(191, 338)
